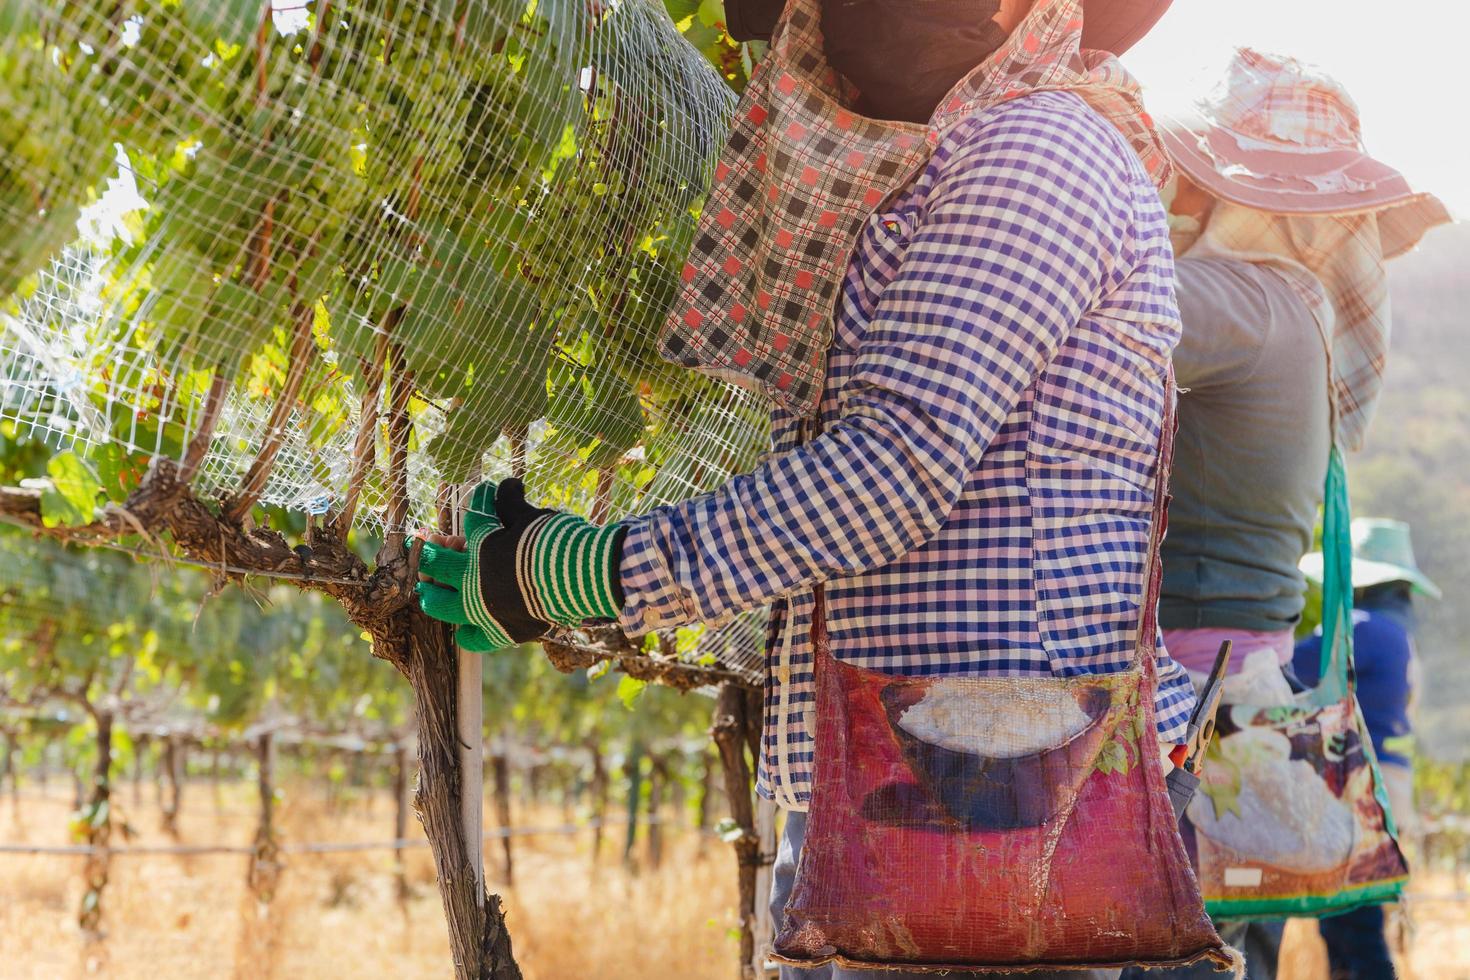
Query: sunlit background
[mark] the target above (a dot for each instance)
(1404, 63)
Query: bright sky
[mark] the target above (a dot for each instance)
(1404, 62)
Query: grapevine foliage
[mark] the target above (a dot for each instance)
(469, 212)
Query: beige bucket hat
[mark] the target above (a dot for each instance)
(1282, 137)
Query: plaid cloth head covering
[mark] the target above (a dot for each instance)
(800, 174)
(1280, 146)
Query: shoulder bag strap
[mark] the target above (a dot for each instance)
(1146, 640)
(1337, 582)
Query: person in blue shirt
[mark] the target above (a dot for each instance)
(1385, 579)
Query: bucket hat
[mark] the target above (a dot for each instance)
(1282, 137)
(1109, 25)
(1382, 553)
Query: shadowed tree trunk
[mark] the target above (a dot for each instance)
(214, 782)
(159, 758)
(730, 730)
(536, 782)
(259, 946)
(500, 775)
(658, 780)
(568, 781)
(676, 788)
(7, 762)
(400, 820)
(98, 815)
(599, 797)
(13, 747)
(334, 785)
(265, 856)
(173, 775)
(633, 773)
(140, 749)
(702, 805)
(477, 934)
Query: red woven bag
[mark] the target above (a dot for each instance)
(995, 822)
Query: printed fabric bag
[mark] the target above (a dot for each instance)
(1292, 816)
(994, 822)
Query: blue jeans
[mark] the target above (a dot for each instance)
(1356, 948)
(783, 875)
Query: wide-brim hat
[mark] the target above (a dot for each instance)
(1284, 138)
(1382, 553)
(1107, 25)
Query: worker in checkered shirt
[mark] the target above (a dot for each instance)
(947, 264)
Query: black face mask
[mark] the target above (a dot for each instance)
(904, 55)
(752, 20)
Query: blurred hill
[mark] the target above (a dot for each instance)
(1416, 467)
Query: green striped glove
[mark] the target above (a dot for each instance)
(523, 569)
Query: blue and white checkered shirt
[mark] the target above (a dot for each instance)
(978, 500)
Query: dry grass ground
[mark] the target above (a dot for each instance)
(1436, 931)
(336, 915)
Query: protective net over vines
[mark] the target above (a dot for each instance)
(281, 246)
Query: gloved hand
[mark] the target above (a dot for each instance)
(522, 570)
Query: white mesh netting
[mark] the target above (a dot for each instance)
(283, 245)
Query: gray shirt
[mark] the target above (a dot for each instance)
(1251, 452)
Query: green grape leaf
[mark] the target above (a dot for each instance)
(138, 425)
(485, 26)
(679, 10)
(118, 471)
(711, 12)
(629, 690)
(595, 414)
(232, 21)
(71, 498)
(17, 16)
(238, 321)
(1113, 757)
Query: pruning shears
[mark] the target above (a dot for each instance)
(1188, 757)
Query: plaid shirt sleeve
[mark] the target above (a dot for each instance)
(1017, 240)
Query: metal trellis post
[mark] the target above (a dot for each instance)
(470, 719)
